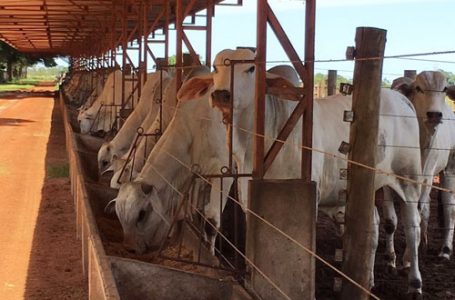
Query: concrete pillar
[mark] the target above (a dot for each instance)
(291, 206)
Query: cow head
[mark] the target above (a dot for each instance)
(141, 215)
(105, 155)
(427, 92)
(219, 81)
(244, 77)
(85, 123)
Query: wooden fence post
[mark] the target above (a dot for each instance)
(332, 83)
(359, 241)
(410, 74)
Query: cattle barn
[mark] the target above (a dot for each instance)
(214, 177)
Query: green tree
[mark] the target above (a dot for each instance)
(319, 77)
(449, 75)
(16, 63)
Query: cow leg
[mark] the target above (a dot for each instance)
(214, 208)
(390, 225)
(424, 208)
(410, 216)
(375, 235)
(448, 202)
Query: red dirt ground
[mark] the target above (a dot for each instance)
(437, 274)
(40, 255)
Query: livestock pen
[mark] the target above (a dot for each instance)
(263, 237)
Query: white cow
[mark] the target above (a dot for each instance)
(328, 131)
(102, 114)
(146, 143)
(151, 126)
(82, 87)
(146, 206)
(437, 143)
(97, 90)
(77, 86)
(120, 144)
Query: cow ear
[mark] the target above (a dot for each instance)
(450, 92)
(146, 189)
(282, 88)
(110, 207)
(195, 87)
(404, 85)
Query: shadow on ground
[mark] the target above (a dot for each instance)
(55, 268)
(14, 95)
(13, 122)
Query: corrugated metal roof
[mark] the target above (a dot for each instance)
(77, 27)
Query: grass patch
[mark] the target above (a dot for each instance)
(31, 81)
(58, 171)
(14, 87)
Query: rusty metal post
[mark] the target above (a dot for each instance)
(167, 13)
(144, 37)
(410, 74)
(208, 34)
(300, 68)
(332, 83)
(124, 47)
(359, 238)
(307, 124)
(179, 40)
(261, 54)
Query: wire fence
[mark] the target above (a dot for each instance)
(303, 147)
(402, 177)
(272, 226)
(410, 56)
(332, 155)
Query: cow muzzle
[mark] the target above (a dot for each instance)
(132, 246)
(434, 117)
(221, 98)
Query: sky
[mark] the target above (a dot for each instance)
(413, 26)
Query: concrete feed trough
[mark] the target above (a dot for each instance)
(138, 280)
(114, 277)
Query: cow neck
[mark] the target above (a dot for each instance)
(243, 136)
(427, 139)
(175, 142)
(242, 140)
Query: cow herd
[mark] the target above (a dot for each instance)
(416, 141)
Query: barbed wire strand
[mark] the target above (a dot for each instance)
(408, 56)
(412, 117)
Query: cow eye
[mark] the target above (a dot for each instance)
(250, 70)
(141, 217)
(215, 69)
(418, 89)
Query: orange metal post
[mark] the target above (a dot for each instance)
(208, 34)
(307, 124)
(259, 126)
(179, 39)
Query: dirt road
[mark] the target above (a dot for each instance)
(39, 253)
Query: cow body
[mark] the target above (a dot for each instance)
(102, 115)
(153, 126)
(120, 144)
(328, 132)
(437, 144)
(193, 137)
